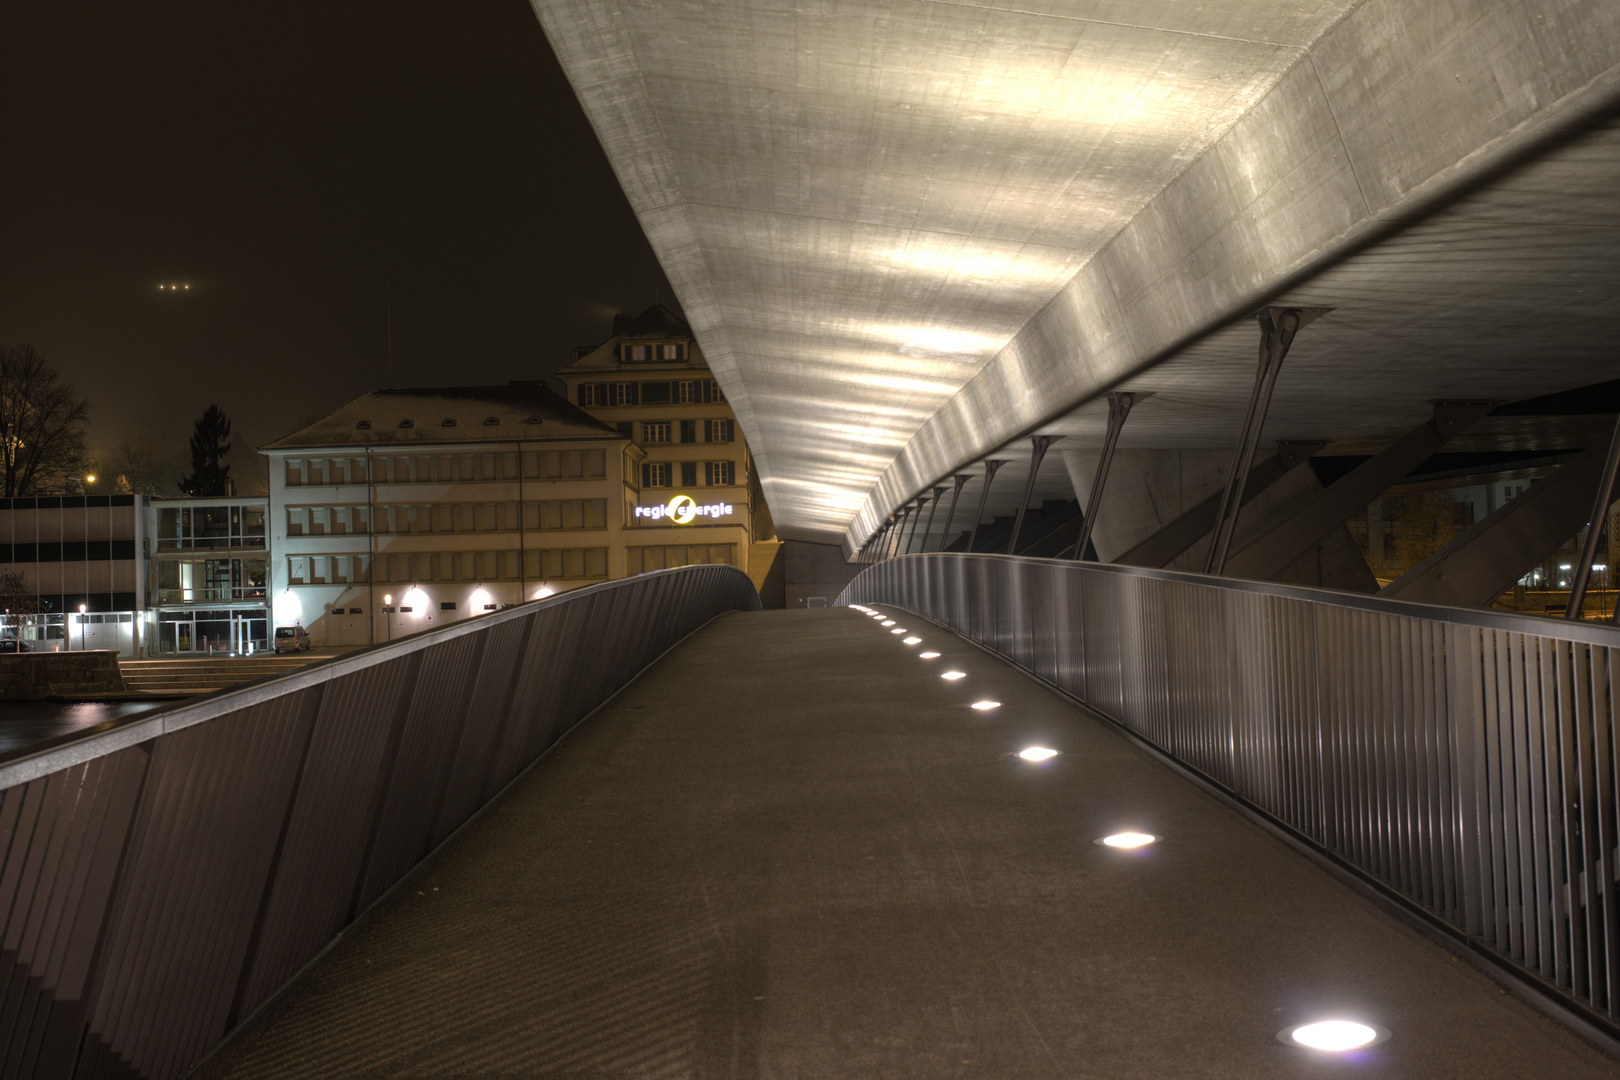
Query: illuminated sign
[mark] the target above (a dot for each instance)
(683, 510)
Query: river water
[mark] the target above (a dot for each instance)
(25, 722)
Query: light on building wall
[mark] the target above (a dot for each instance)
(416, 600)
(544, 591)
(287, 609)
(480, 599)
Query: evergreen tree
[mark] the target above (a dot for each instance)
(210, 443)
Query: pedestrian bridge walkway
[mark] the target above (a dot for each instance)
(792, 849)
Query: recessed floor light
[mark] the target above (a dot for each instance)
(987, 704)
(954, 675)
(1037, 753)
(1334, 1036)
(912, 640)
(887, 622)
(929, 655)
(1128, 840)
(898, 630)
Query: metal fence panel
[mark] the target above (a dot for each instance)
(1464, 759)
(161, 878)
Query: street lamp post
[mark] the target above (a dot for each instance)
(81, 631)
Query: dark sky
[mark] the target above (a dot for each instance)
(298, 163)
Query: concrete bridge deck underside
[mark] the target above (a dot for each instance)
(791, 849)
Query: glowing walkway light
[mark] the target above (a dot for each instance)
(1334, 1036)
(1037, 753)
(1129, 840)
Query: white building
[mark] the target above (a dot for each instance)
(406, 509)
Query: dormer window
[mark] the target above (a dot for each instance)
(491, 421)
(364, 425)
(672, 352)
(448, 421)
(637, 354)
(407, 423)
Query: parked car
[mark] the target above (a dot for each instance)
(292, 639)
(13, 645)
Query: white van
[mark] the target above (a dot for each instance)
(292, 639)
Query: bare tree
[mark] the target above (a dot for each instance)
(42, 421)
(16, 598)
(135, 466)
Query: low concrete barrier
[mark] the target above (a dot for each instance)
(36, 676)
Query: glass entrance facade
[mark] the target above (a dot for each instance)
(216, 630)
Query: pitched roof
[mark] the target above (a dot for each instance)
(657, 323)
(530, 411)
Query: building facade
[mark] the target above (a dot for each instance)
(78, 564)
(209, 575)
(407, 509)
(697, 500)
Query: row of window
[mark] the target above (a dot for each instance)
(449, 468)
(449, 517)
(664, 431)
(184, 581)
(182, 527)
(68, 551)
(465, 566)
(665, 473)
(647, 354)
(643, 559)
(676, 392)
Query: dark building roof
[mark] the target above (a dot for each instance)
(530, 411)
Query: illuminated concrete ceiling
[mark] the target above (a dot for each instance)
(908, 232)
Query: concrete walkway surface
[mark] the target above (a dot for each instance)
(791, 851)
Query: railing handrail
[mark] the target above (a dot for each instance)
(1580, 630)
(52, 755)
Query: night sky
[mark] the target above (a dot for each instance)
(298, 163)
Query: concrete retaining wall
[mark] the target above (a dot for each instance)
(36, 676)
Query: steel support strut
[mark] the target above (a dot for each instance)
(1037, 450)
(1594, 526)
(899, 530)
(928, 529)
(1160, 549)
(1268, 554)
(990, 468)
(1119, 407)
(961, 479)
(916, 519)
(1277, 329)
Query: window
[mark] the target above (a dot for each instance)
(722, 430)
(688, 431)
(625, 394)
(670, 352)
(715, 393)
(567, 563)
(720, 472)
(686, 393)
(640, 560)
(593, 394)
(655, 474)
(689, 474)
(638, 354)
(655, 432)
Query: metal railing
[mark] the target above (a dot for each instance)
(1464, 760)
(161, 878)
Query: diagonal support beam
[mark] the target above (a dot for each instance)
(1119, 407)
(990, 468)
(1475, 568)
(1270, 553)
(928, 529)
(916, 519)
(1278, 326)
(1038, 445)
(1594, 527)
(960, 479)
(1160, 549)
